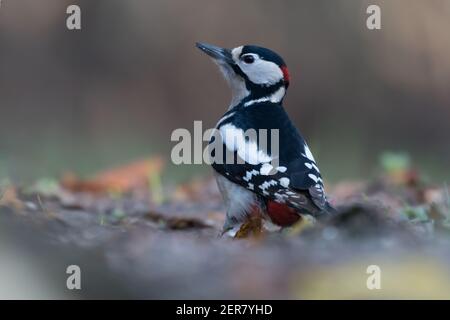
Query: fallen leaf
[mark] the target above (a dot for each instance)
(250, 228)
(133, 176)
(10, 199)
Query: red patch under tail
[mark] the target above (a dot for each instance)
(281, 214)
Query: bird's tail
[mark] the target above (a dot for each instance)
(329, 209)
(326, 211)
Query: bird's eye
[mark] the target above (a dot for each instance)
(248, 59)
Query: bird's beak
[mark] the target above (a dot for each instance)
(217, 53)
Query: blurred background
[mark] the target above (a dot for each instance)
(114, 91)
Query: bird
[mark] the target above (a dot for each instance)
(279, 185)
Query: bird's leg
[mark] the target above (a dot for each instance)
(230, 228)
(252, 227)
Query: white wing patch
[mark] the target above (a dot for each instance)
(308, 153)
(267, 184)
(311, 165)
(266, 169)
(281, 169)
(316, 167)
(234, 139)
(250, 174)
(315, 178)
(285, 182)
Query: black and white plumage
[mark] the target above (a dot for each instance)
(281, 183)
(296, 170)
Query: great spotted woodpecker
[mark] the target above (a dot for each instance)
(259, 78)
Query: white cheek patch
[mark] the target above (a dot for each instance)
(236, 53)
(262, 72)
(234, 139)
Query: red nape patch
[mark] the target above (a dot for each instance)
(286, 75)
(281, 214)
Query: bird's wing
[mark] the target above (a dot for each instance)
(289, 176)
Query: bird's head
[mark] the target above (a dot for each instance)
(252, 72)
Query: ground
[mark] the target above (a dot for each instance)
(133, 238)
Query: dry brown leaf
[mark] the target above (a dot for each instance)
(10, 199)
(251, 228)
(125, 178)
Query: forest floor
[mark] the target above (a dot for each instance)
(134, 238)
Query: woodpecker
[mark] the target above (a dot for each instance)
(259, 78)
